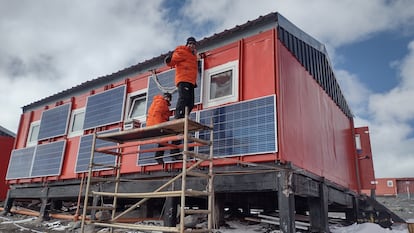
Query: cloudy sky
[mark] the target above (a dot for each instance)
(48, 46)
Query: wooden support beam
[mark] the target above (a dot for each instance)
(286, 202)
(138, 227)
(197, 211)
(201, 141)
(140, 195)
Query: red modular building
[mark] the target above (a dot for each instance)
(403, 186)
(6, 146)
(272, 94)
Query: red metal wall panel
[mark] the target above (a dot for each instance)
(6, 146)
(258, 66)
(365, 163)
(405, 186)
(386, 187)
(314, 133)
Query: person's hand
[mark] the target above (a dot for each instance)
(202, 55)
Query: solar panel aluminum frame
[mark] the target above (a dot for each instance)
(57, 170)
(45, 122)
(241, 102)
(96, 153)
(26, 169)
(89, 115)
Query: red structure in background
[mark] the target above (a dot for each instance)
(6, 146)
(395, 186)
(365, 169)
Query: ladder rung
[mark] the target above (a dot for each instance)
(100, 207)
(196, 193)
(200, 156)
(138, 227)
(198, 174)
(140, 195)
(201, 141)
(197, 211)
(198, 230)
(98, 179)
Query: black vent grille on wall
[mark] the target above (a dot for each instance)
(317, 64)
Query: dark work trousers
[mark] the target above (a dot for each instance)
(185, 99)
(159, 154)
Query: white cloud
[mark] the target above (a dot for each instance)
(392, 133)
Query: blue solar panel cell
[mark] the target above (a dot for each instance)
(20, 163)
(84, 153)
(243, 128)
(54, 122)
(48, 159)
(105, 108)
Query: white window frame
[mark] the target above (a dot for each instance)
(30, 140)
(131, 97)
(390, 183)
(234, 67)
(72, 119)
(358, 142)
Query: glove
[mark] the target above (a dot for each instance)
(202, 55)
(167, 58)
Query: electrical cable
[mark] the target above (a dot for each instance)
(154, 77)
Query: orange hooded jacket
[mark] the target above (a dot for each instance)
(185, 63)
(159, 111)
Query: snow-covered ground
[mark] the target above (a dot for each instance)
(22, 224)
(355, 228)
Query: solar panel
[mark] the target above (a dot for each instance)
(20, 163)
(147, 158)
(54, 122)
(104, 108)
(48, 159)
(243, 128)
(167, 79)
(84, 154)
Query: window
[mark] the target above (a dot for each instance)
(390, 183)
(358, 143)
(33, 133)
(221, 84)
(76, 122)
(137, 102)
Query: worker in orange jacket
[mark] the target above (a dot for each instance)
(184, 59)
(159, 112)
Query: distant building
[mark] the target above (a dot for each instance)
(6, 145)
(395, 186)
